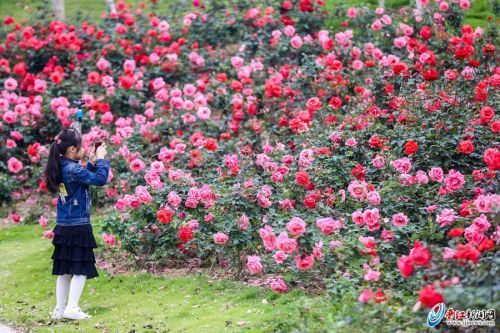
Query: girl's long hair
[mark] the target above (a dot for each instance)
(66, 138)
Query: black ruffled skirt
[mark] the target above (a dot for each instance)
(74, 251)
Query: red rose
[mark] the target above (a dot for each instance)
(489, 49)
(222, 77)
(313, 103)
(430, 297)
(420, 255)
(185, 234)
(411, 147)
(165, 215)
(380, 297)
(33, 149)
(467, 253)
(335, 102)
(430, 74)
(486, 114)
(94, 78)
(301, 178)
(375, 141)
(486, 245)
(405, 266)
(456, 232)
(8, 20)
(211, 144)
(310, 201)
(466, 147)
(492, 158)
(358, 172)
(42, 186)
(426, 32)
(287, 5)
(495, 126)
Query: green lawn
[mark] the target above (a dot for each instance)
(139, 302)
(477, 15)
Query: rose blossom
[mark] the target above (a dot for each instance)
(296, 226)
(220, 238)
(399, 220)
(253, 264)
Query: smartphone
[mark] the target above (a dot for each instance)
(97, 144)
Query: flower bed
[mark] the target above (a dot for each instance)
(365, 159)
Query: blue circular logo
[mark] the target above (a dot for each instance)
(436, 315)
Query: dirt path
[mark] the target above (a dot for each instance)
(5, 329)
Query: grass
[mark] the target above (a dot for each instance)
(124, 303)
(20, 9)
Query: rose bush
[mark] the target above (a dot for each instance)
(364, 160)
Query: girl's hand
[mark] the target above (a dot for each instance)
(93, 156)
(101, 152)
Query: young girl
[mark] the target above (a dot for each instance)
(73, 241)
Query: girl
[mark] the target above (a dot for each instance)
(73, 241)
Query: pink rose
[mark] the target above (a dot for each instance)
(157, 167)
(357, 218)
(286, 244)
(372, 275)
(431, 208)
(379, 161)
(387, 235)
(278, 285)
(289, 30)
(399, 220)
(253, 264)
(14, 165)
(296, 226)
(357, 189)
(296, 42)
(328, 225)
(43, 221)
(203, 113)
(191, 202)
(421, 177)
(120, 204)
(304, 263)
(436, 174)
(134, 202)
(137, 165)
(193, 225)
(142, 194)
(108, 239)
(352, 12)
(351, 142)
(220, 238)
(11, 144)
(473, 234)
(483, 203)
(174, 199)
(373, 198)
(446, 217)
(243, 222)
(280, 257)
(10, 84)
(365, 296)
(402, 165)
(376, 25)
(455, 180)
(371, 217)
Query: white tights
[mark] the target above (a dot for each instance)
(73, 286)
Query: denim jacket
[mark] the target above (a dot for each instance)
(73, 204)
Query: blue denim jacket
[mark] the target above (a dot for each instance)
(73, 204)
